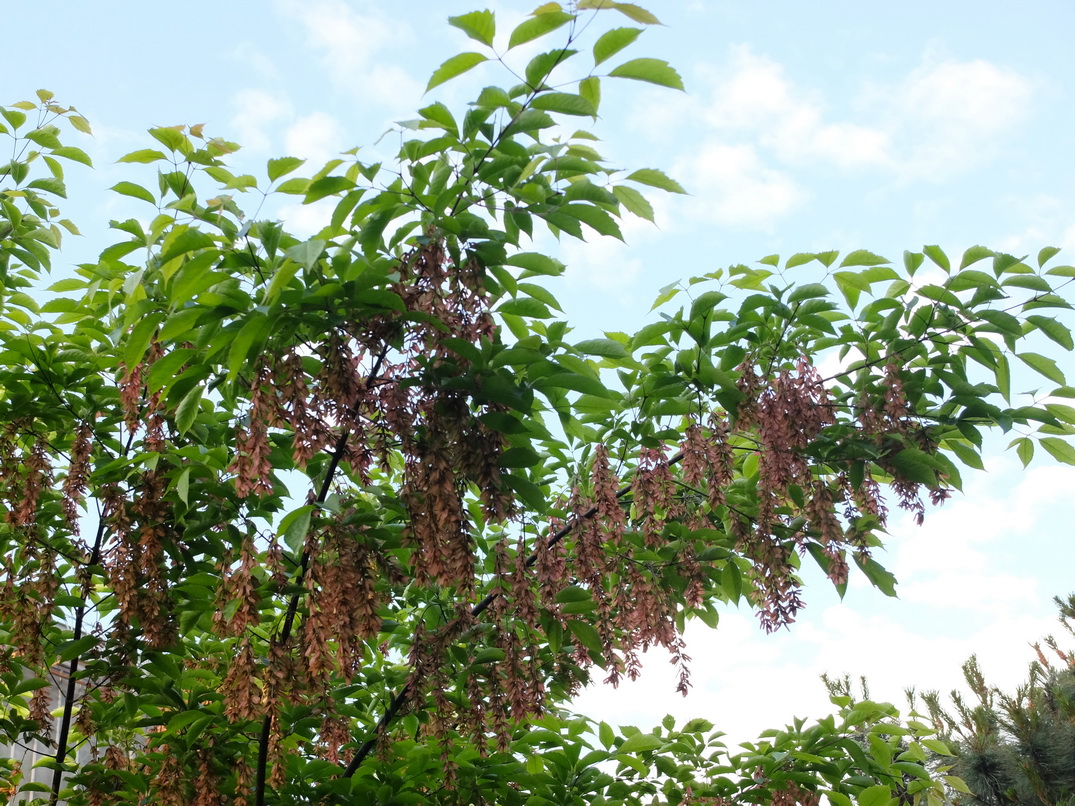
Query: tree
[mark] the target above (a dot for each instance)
(338, 518)
(1017, 748)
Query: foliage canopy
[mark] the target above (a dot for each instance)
(345, 517)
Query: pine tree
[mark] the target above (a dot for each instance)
(1017, 748)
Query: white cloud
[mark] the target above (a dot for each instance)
(306, 220)
(255, 58)
(255, 112)
(1049, 224)
(733, 186)
(943, 118)
(316, 137)
(950, 116)
(753, 96)
(602, 265)
(350, 46)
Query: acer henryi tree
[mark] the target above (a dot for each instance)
(346, 517)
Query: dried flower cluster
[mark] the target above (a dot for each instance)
(377, 394)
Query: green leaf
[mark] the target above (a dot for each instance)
(606, 348)
(182, 241)
(182, 486)
(179, 323)
(171, 138)
(860, 257)
(490, 655)
(1061, 412)
(612, 42)
(294, 526)
(144, 155)
(974, 254)
(49, 184)
(281, 279)
(666, 294)
(808, 291)
(296, 186)
(587, 635)
(914, 465)
(1003, 321)
(29, 684)
(134, 191)
(538, 26)
(541, 66)
(455, 66)
(640, 743)
(80, 124)
(16, 119)
(139, 338)
(519, 456)
(250, 334)
(653, 71)
(657, 179)
(1053, 329)
(636, 13)
(937, 746)
(969, 278)
(607, 735)
(537, 263)
(1024, 449)
(528, 492)
(282, 166)
(574, 382)
(731, 581)
(881, 579)
(879, 795)
(525, 306)
(1059, 449)
(594, 217)
(73, 649)
(188, 408)
(698, 725)
(937, 255)
(634, 201)
(1044, 366)
(73, 154)
(478, 25)
(440, 114)
(164, 369)
(956, 783)
(327, 186)
(565, 103)
(798, 259)
(306, 254)
(1047, 254)
(967, 455)
(1031, 281)
(590, 89)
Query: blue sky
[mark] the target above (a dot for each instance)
(805, 126)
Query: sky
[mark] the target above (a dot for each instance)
(828, 125)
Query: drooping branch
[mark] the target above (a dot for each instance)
(403, 695)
